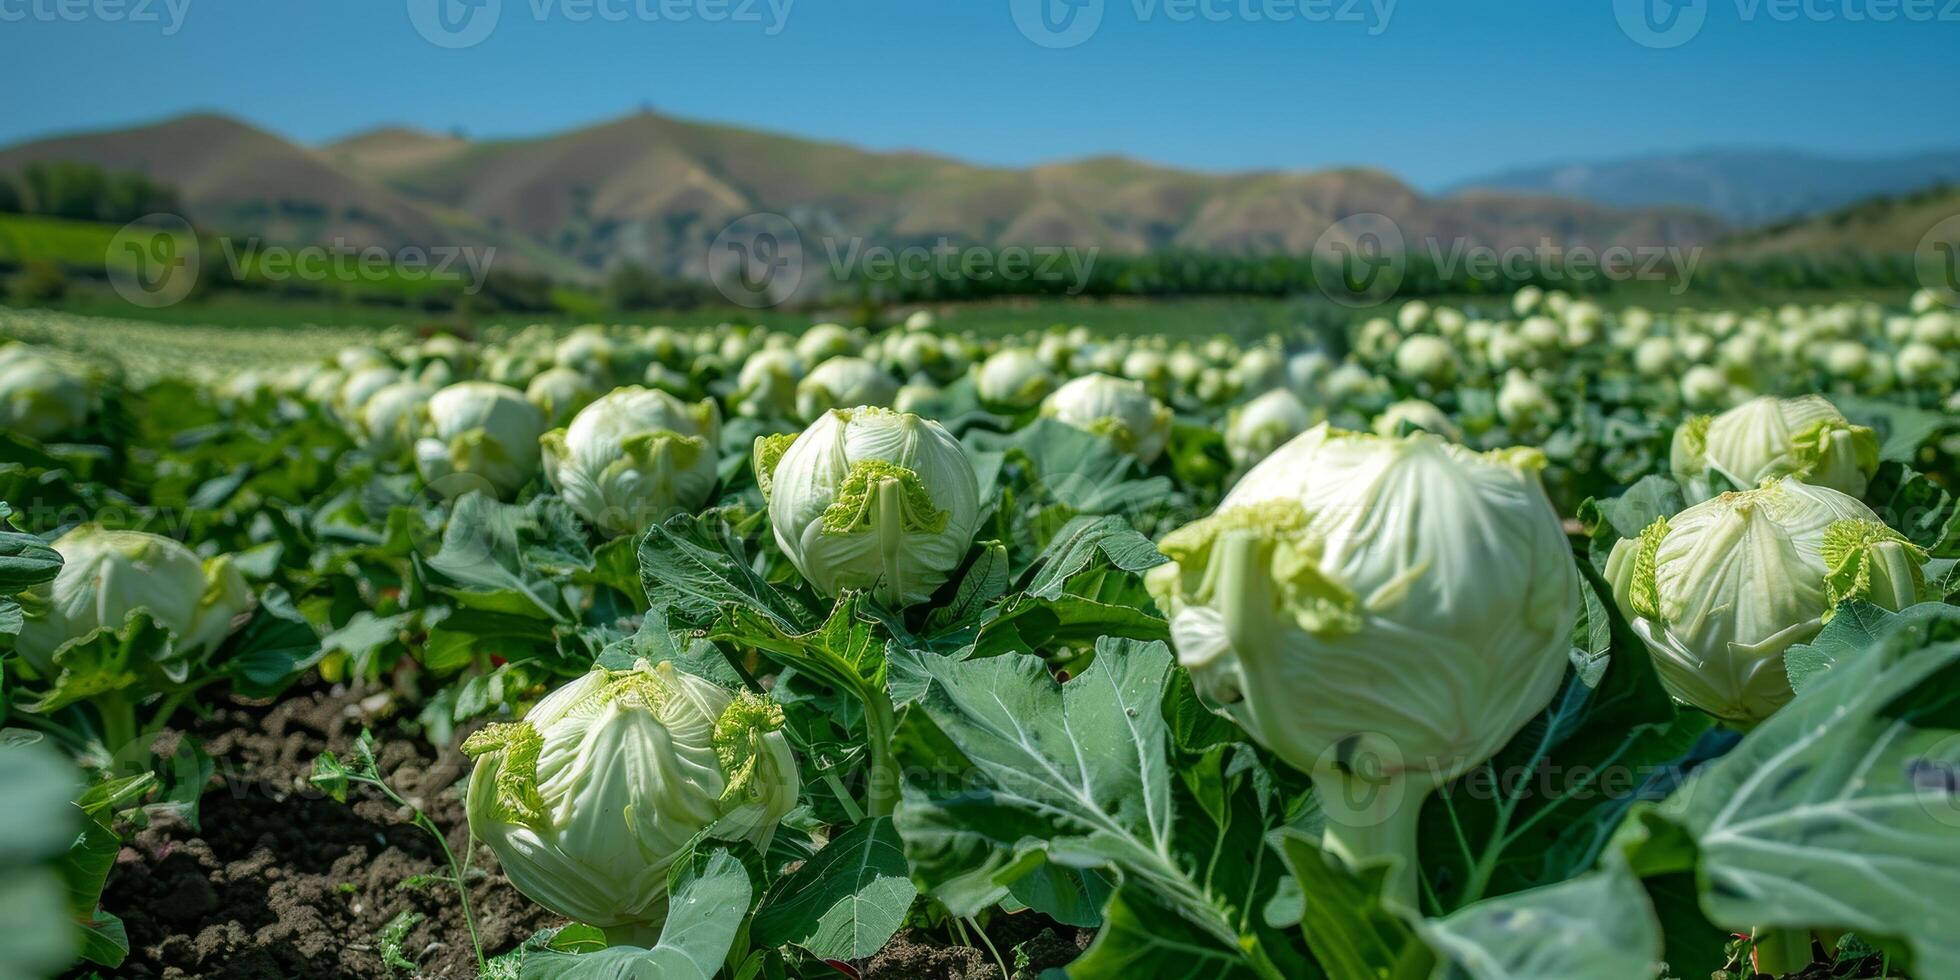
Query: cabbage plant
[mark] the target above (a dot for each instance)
(38, 399)
(1768, 437)
(1255, 429)
(1118, 410)
(765, 388)
(107, 575)
(843, 382)
(588, 800)
(483, 429)
(129, 617)
(634, 456)
(559, 393)
(1718, 592)
(1013, 380)
(1381, 613)
(388, 418)
(871, 498)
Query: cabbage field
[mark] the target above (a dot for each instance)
(1528, 639)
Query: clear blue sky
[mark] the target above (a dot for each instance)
(1440, 91)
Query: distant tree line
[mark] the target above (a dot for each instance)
(83, 192)
(632, 287)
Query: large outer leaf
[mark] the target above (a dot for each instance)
(1840, 812)
(25, 562)
(1599, 927)
(710, 899)
(695, 568)
(1006, 769)
(1348, 928)
(1857, 627)
(845, 903)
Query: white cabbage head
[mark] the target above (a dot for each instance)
(1524, 404)
(389, 419)
(1255, 429)
(588, 801)
(1305, 369)
(634, 456)
(559, 393)
(106, 575)
(1705, 386)
(359, 387)
(1014, 379)
(870, 498)
(1655, 357)
(1426, 358)
(1414, 413)
(38, 399)
(825, 341)
(1259, 369)
(765, 388)
(1394, 608)
(586, 350)
(1920, 363)
(919, 398)
(483, 429)
(1719, 591)
(843, 382)
(1116, 409)
(1766, 437)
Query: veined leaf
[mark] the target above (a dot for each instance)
(1598, 927)
(1839, 812)
(1008, 770)
(708, 904)
(847, 901)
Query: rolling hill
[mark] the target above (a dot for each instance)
(655, 190)
(1746, 187)
(1893, 224)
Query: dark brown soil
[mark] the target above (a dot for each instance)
(1042, 944)
(283, 882)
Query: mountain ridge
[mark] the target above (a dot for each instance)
(655, 189)
(1742, 185)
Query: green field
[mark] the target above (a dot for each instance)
(91, 249)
